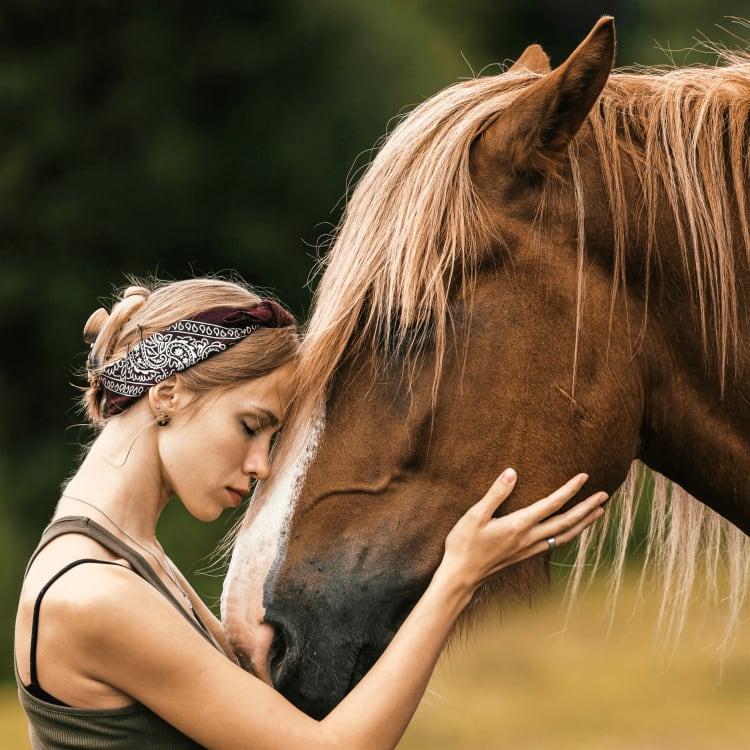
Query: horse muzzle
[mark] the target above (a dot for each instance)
(323, 643)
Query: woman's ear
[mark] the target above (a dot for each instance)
(168, 396)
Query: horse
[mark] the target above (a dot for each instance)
(541, 268)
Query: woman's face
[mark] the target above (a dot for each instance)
(214, 446)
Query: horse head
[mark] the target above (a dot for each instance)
(467, 320)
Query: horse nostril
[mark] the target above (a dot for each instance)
(243, 658)
(253, 650)
(277, 654)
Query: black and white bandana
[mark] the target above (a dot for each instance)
(182, 345)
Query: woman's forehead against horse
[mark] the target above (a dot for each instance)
(269, 397)
(570, 242)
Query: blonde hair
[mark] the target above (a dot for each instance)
(144, 308)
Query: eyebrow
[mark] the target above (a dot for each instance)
(272, 418)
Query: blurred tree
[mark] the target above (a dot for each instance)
(501, 30)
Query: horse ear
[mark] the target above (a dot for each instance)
(534, 131)
(534, 58)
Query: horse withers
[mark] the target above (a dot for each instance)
(541, 269)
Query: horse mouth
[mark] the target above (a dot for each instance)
(299, 676)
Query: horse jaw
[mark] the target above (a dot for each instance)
(257, 552)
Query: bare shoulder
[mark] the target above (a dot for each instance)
(74, 588)
(102, 630)
(93, 584)
(106, 603)
(60, 553)
(76, 611)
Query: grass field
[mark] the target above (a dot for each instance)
(531, 682)
(12, 722)
(535, 682)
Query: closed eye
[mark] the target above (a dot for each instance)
(251, 431)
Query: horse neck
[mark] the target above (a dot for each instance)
(697, 422)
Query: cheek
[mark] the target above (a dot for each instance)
(189, 460)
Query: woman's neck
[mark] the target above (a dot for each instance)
(120, 478)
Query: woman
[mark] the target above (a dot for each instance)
(189, 382)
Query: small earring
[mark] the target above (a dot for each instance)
(163, 419)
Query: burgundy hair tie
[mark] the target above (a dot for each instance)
(181, 345)
(266, 313)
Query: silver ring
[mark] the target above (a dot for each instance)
(552, 544)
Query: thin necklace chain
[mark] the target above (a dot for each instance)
(166, 569)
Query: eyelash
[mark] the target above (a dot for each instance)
(254, 433)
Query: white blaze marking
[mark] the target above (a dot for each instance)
(262, 539)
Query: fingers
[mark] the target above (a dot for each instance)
(575, 531)
(536, 512)
(485, 545)
(567, 526)
(565, 530)
(536, 525)
(558, 526)
(497, 494)
(572, 532)
(553, 502)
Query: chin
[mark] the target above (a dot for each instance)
(209, 515)
(203, 513)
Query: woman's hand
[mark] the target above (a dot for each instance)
(376, 712)
(480, 546)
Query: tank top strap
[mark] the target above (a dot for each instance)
(34, 687)
(90, 528)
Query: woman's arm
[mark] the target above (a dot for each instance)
(379, 708)
(141, 646)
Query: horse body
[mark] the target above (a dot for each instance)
(582, 330)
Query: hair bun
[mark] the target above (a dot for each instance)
(97, 320)
(136, 291)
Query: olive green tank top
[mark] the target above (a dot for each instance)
(60, 727)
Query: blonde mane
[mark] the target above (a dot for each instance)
(415, 233)
(686, 128)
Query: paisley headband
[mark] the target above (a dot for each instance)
(182, 345)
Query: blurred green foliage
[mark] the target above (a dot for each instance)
(188, 138)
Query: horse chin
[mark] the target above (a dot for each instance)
(302, 686)
(325, 645)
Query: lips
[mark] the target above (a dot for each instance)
(235, 496)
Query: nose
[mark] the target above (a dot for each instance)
(254, 651)
(256, 463)
(263, 651)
